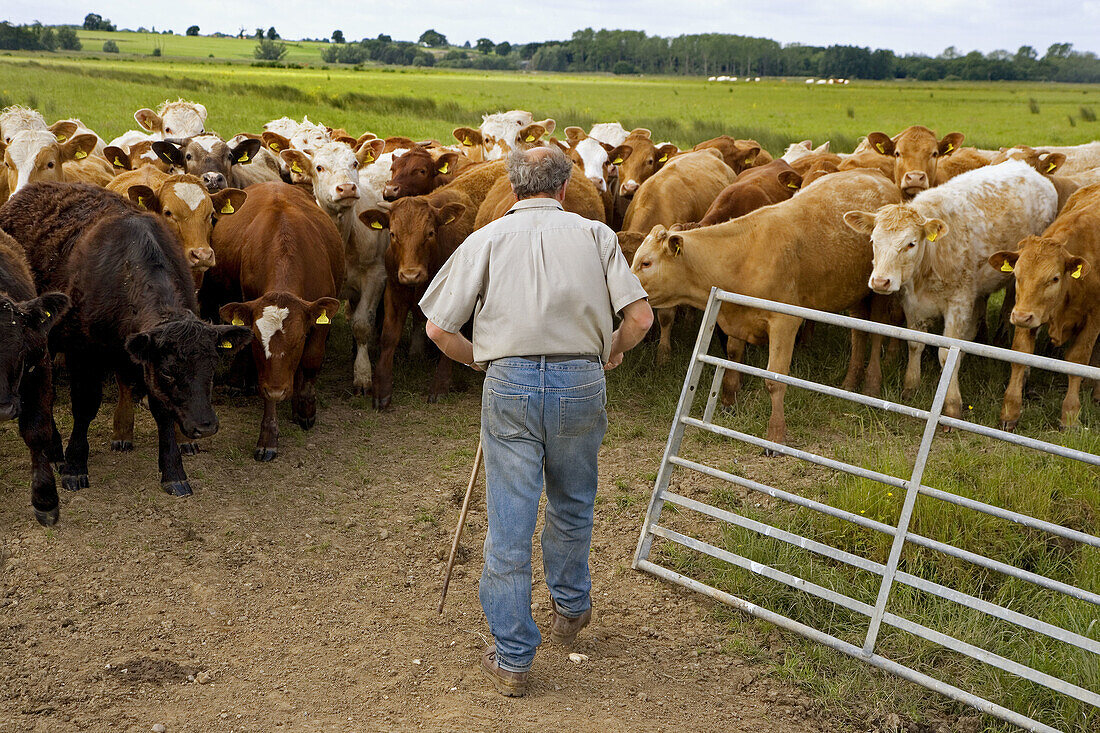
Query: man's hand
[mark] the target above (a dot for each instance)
(615, 360)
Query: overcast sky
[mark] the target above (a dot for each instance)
(925, 27)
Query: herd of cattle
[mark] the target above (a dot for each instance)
(153, 256)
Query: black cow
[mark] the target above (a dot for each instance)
(133, 313)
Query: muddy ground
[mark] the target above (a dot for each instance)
(301, 594)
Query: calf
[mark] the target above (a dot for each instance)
(138, 155)
(133, 312)
(417, 172)
(287, 259)
(219, 165)
(501, 132)
(774, 253)
(1057, 285)
(172, 121)
(639, 158)
(38, 156)
(934, 250)
(916, 152)
(26, 371)
(763, 186)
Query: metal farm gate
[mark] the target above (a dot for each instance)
(876, 614)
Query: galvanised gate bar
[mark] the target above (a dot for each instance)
(877, 614)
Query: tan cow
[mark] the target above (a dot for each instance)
(639, 158)
(756, 187)
(38, 156)
(962, 161)
(581, 197)
(916, 153)
(738, 154)
(1048, 164)
(1057, 279)
(798, 251)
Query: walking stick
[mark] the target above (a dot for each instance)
(461, 525)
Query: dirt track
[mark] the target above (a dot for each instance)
(301, 594)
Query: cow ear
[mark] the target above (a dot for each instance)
(231, 338)
(201, 109)
(346, 140)
(369, 150)
(297, 161)
(1077, 267)
(78, 148)
(675, 244)
(531, 133)
(322, 311)
(951, 142)
(1050, 162)
(748, 155)
(275, 142)
(861, 221)
(118, 158)
(467, 136)
(375, 218)
(880, 143)
(618, 154)
(448, 213)
(664, 152)
(149, 119)
(228, 201)
(822, 148)
(44, 311)
(363, 138)
(236, 314)
(548, 124)
(446, 163)
(640, 132)
(142, 346)
(168, 152)
(63, 130)
(1003, 261)
(144, 197)
(574, 135)
(934, 229)
(245, 151)
(790, 179)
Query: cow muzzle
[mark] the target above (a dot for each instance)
(598, 182)
(200, 258)
(1023, 319)
(629, 188)
(882, 285)
(213, 181)
(412, 275)
(914, 182)
(9, 410)
(347, 193)
(391, 193)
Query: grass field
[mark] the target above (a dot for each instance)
(423, 103)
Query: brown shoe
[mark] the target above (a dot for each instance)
(507, 683)
(563, 629)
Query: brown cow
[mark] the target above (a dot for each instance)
(38, 157)
(762, 186)
(581, 197)
(803, 164)
(286, 258)
(738, 154)
(140, 154)
(417, 172)
(818, 170)
(217, 163)
(773, 253)
(639, 158)
(916, 152)
(1057, 279)
(961, 161)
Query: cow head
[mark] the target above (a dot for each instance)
(416, 173)
(591, 155)
(176, 120)
(414, 224)
(190, 212)
(208, 157)
(280, 324)
(15, 119)
(916, 153)
(309, 137)
(23, 329)
(178, 359)
(502, 132)
(334, 172)
(661, 267)
(37, 156)
(638, 159)
(1045, 162)
(899, 236)
(1045, 271)
(140, 154)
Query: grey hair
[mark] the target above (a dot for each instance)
(533, 173)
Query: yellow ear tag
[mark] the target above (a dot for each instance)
(1006, 267)
(792, 185)
(274, 146)
(228, 208)
(932, 236)
(49, 315)
(376, 225)
(62, 138)
(141, 201)
(237, 321)
(950, 147)
(617, 161)
(295, 167)
(1076, 274)
(444, 168)
(1051, 167)
(322, 320)
(662, 159)
(118, 163)
(467, 141)
(530, 138)
(370, 159)
(225, 345)
(880, 148)
(80, 154)
(244, 158)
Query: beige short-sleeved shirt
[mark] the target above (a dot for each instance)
(538, 281)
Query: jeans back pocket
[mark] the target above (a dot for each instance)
(507, 414)
(580, 415)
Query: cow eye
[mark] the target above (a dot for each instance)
(897, 154)
(167, 129)
(50, 164)
(189, 156)
(935, 153)
(320, 169)
(1056, 279)
(911, 245)
(168, 213)
(644, 264)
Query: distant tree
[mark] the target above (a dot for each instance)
(432, 39)
(193, 30)
(950, 53)
(96, 22)
(1059, 51)
(1026, 53)
(624, 67)
(48, 38)
(338, 36)
(272, 34)
(503, 49)
(485, 45)
(384, 38)
(269, 50)
(466, 44)
(259, 34)
(528, 50)
(110, 47)
(67, 39)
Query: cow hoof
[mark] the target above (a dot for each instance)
(176, 488)
(122, 446)
(907, 393)
(383, 404)
(189, 449)
(769, 453)
(433, 399)
(48, 518)
(74, 482)
(265, 455)
(305, 423)
(1009, 426)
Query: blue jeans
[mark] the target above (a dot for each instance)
(538, 420)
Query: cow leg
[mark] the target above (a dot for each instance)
(1080, 352)
(1096, 363)
(86, 387)
(912, 369)
(267, 447)
(957, 324)
(37, 428)
(731, 379)
(122, 432)
(782, 333)
(441, 380)
(173, 479)
(1004, 322)
(397, 310)
(303, 405)
(1024, 342)
(666, 317)
(857, 359)
(363, 325)
(981, 320)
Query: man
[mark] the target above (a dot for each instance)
(543, 286)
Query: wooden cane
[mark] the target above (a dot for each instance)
(461, 525)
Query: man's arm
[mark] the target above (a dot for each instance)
(454, 345)
(637, 318)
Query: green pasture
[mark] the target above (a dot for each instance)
(419, 103)
(174, 46)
